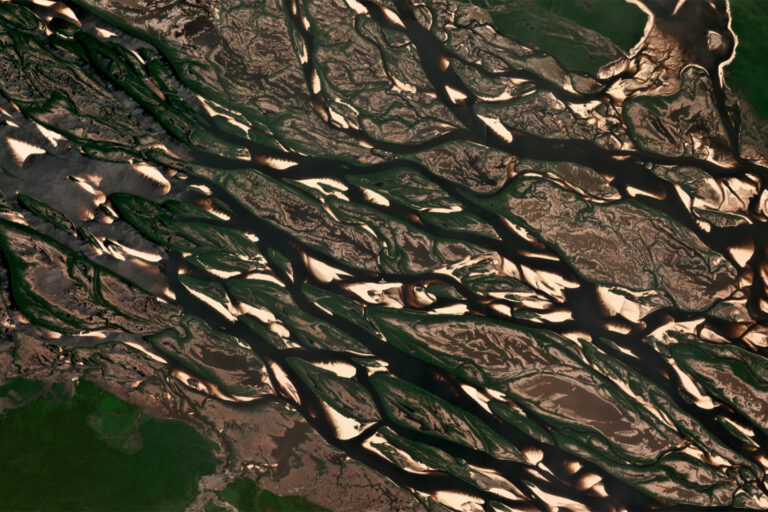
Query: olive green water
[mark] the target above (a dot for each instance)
(464, 344)
(620, 21)
(558, 27)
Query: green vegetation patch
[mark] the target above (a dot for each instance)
(47, 212)
(247, 496)
(748, 71)
(92, 451)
